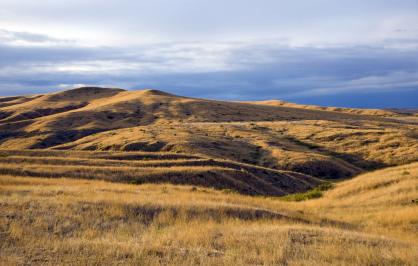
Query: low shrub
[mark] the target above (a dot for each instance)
(310, 194)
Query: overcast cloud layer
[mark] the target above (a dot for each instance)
(321, 52)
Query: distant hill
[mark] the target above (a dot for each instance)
(378, 112)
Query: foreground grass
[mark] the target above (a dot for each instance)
(370, 220)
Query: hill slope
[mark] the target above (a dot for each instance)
(147, 167)
(326, 143)
(369, 220)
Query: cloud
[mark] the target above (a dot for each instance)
(225, 70)
(300, 50)
(27, 38)
(393, 81)
(302, 22)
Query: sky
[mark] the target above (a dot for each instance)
(326, 52)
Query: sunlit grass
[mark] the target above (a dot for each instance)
(369, 220)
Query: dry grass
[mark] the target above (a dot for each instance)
(324, 149)
(324, 142)
(151, 167)
(370, 220)
(377, 112)
(379, 201)
(59, 150)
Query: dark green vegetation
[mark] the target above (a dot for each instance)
(315, 193)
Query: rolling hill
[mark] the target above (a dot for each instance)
(329, 143)
(104, 176)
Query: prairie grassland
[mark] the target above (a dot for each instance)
(59, 151)
(330, 143)
(369, 220)
(384, 200)
(325, 149)
(372, 112)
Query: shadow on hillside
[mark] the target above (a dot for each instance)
(51, 138)
(62, 137)
(353, 159)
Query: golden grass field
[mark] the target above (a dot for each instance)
(95, 176)
(369, 220)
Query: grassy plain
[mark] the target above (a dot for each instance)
(369, 220)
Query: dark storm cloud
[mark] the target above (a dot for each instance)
(229, 71)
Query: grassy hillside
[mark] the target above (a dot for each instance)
(97, 176)
(368, 220)
(332, 109)
(329, 143)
